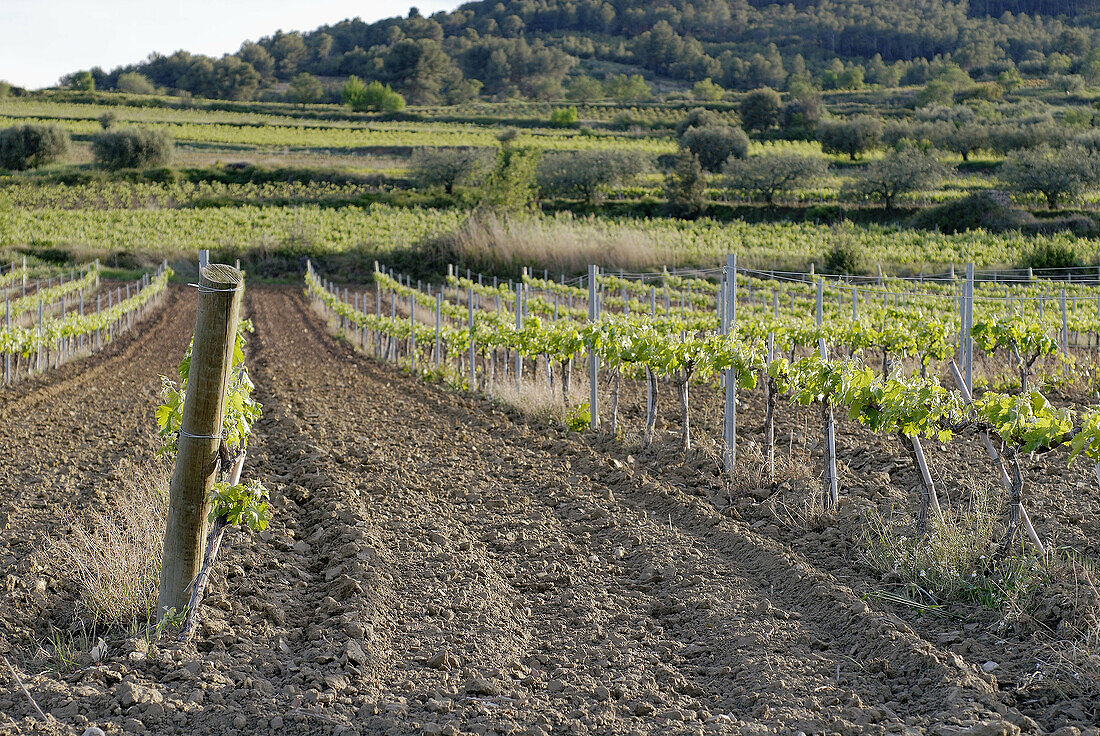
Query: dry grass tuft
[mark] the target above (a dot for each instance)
(563, 245)
(114, 556)
(954, 561)
(533, 397)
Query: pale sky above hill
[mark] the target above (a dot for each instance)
(41, 40)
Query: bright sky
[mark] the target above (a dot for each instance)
(41, 40)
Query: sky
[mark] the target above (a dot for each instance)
(42, 40)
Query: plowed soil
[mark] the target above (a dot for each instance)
(438, 566)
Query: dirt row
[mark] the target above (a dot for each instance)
(437, 566)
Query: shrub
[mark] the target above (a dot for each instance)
(1051, 254)
(132, 148)
(587, 174)
(108, 119)
(851, 137)
(713, 146)
(699, 117)
(989, 211)
(707, 90)
(564, 117)
(135, 83)
(843, 256)
(760, 109)
(685, 187)
(773, 175)
(448, 167)
(30, 146)
(375, 96)
(1056, 174)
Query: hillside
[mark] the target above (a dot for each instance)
(589, 49)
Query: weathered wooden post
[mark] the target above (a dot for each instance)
(216, 318)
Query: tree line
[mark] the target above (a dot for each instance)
(537, 50)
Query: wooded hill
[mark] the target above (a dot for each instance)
(549, 49)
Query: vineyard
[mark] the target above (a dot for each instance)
(617, 502)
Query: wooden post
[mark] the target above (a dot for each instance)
(216, 318)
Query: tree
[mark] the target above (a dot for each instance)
(233, 79)
(288, 50)
(902, 170)
(375, 96)
(135, 83)
(713, 146)
(305, 89)
(584, 88)
(685, 187)
(707, 91)
(802, 113)
(564, 117)
(25, 147)
(132, 148)
(760, 109)
(772, 175)
(1056, 174)
(260, 59)
(1010, 79)
(448, 167)
(1067, 83)
(852, 137)
(419, 68)
(627, 89)
(964, 139)
(699, 117)
(587, 174)
(83, 81)
(936, 92)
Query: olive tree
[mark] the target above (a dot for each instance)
(132, 148)
(902, 170)
(714, 145)
(851, 137)
(448, 167)
(587, 174)
(30, 146)
(1055, 173)
(760, 109)
(773, 175)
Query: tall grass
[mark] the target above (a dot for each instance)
(113, 556)
(504, 244)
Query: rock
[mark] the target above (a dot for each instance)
(276, 723)
(989, 666)
(93, 731)
(482, 686)
(443, 660)
(355, 653)
(128, 694)
(355, 630)
(991, 728)
(644, 709)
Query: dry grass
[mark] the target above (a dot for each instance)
(533, 396)
(563, 245)
(954, 561)
(113, 557)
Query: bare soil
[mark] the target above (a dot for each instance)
(436, 565)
